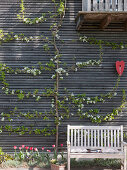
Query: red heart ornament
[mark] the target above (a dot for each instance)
(120, 67)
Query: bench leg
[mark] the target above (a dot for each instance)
(122, 164)
(125, 157)
(68, 162)
(125, 164)
(125, 168)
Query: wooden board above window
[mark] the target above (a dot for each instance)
(106, 15)
(106, 21)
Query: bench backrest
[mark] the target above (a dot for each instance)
(95, 137)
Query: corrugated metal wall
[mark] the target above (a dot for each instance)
(92, 80)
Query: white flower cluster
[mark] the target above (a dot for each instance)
(84, 39)
(22, 38)
(6, 90)
(33, 71)
(93, 100)
(34, 21)
(60, 71)
(38, 98)
(2, 119)
(3, 67)
(56, 59)
(93, 118)
(53, 103)
(13, 92)
(53, 76)
(87, 63)
(57, 36)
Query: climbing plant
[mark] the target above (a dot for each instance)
(61, 106)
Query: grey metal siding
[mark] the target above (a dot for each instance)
(92, 80)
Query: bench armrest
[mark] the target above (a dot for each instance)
(124, 143)
(68, 147)
(68, 143)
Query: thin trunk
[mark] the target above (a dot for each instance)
(56, 97)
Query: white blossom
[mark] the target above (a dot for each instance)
(115, 94)
(76, 69)
(2, 114)
(79, 63)
(25, 19)
(53, 76)
(52, 105)
(2, 119)
(72, 94)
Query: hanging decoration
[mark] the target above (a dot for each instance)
(120, 67)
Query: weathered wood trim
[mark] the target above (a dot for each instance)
(125, 25)
(80, 21)
(106, 21)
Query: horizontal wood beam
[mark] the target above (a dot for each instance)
(90, 20)
(105, 22)
(125, 25)
(80, 21)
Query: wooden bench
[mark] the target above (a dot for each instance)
(96, 142)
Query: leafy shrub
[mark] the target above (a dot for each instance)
(4, 156)
(11, 163)
(109, 163)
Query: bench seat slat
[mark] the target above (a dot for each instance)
(119, 155)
